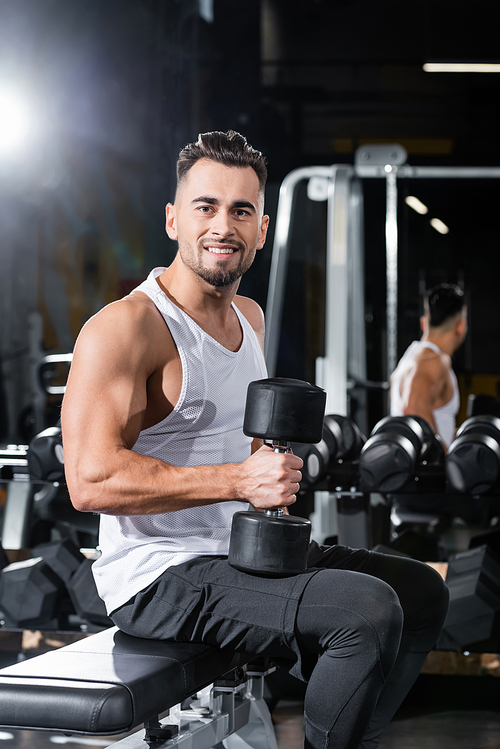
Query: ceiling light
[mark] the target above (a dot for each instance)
(461, 67)
(416, 204)
(439, 225)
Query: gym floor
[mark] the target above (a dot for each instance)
(412, 728)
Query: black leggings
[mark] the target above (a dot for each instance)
(371, 649)
(371, 619)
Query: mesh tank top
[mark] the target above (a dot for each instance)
(445, 416)
(204, 428)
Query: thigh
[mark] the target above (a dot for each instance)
(422, 593)
(206, 600)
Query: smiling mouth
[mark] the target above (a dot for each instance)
(221, 250)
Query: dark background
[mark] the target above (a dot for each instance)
(132, 81)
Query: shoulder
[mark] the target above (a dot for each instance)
(124, 316)
(431, 363)
(130, 328)
(253, 313)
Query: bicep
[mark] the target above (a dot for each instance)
(105, 397)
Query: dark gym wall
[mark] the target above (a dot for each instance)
(118, 87)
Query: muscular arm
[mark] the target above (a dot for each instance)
(104, 410)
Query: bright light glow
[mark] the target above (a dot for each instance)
(439, 225)
(14, 121)
(416, 204)
(461, 67)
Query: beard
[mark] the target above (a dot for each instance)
(218, 276)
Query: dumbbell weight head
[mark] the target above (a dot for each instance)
(472, 464)
(388, 458)
(351, 440)
(30, 592)
(408, 426)
(46, 456)
(280, 411)
(283, 409)
(432, 450)
(473, 459)
(484, 424)
(268, 545)
(387, 462)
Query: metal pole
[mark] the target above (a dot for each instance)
(391, 244)
(279, 260)
(335, 361)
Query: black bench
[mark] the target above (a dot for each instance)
(111, 683)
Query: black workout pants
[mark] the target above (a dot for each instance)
(356, 626)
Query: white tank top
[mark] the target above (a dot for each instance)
(445, 416)
(204, 428)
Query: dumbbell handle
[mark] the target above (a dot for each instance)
(278, 446)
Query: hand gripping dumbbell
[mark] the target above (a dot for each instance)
(279, 411)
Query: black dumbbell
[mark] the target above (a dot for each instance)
(46, 456)
(473, 460)
(32, 592)
(341, 440)
(396, 444)
(85, 598)
(279, 411)
(432, 449)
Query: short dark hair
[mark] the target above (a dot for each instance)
(443, 302)
(230, 149)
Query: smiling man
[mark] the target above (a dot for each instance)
(153, 434)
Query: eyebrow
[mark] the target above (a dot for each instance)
(235, 204)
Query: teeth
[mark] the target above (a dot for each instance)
(220, 250)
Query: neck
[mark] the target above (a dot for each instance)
(444, 341)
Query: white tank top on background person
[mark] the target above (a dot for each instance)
(445, 416)
(204, 428)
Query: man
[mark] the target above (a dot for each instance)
(423, 383)
(152, 425)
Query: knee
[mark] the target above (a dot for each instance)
(384, 613)
(428, 591)
(382, 624)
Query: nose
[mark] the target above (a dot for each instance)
(222, 225)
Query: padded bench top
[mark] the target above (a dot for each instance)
(108, 683)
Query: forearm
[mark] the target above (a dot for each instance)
(127, 483)
(132, 484)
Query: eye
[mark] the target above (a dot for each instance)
(204, 208)
(241, 212)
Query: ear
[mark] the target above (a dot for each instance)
(264, 226)
(423, 323)
(171, 221)
(461, 327)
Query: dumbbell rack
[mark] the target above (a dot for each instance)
(19, 496)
